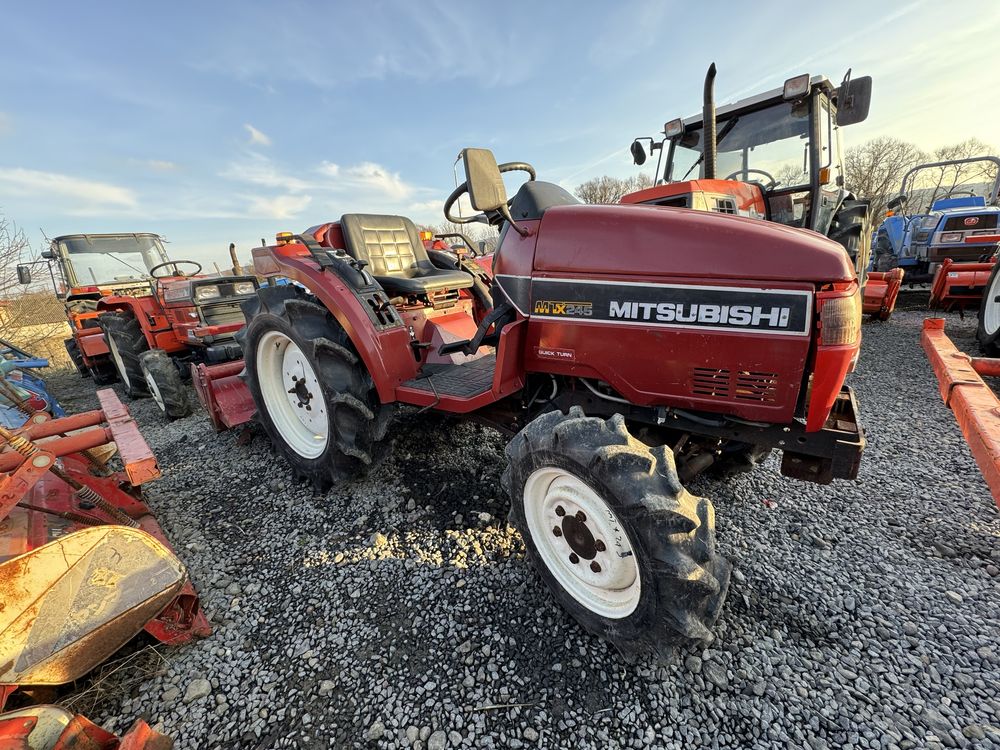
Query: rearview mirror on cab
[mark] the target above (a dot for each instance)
(854, 97)
(24, 274)
(638, 153)
(896, 203)
(486, 188)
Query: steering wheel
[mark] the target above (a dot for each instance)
(511, 166)
(772, 183)
(177, 272)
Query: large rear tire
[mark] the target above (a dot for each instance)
(164, 382)
(850, 229)
(620, 543)
(126, 343)
(314, 398)
(988, 328)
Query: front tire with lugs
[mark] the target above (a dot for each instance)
(126, 343)
(315, 399)
(165, 384)
(621, 544)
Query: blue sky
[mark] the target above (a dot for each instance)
(214, 122)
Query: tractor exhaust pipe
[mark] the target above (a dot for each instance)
(708, 121)
(237, 270)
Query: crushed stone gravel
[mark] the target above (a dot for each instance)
(400, 612)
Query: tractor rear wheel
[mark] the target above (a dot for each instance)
(988, 329)
(850, 229)
(164, 382)
(620, 543)
(73, 350)
(126, 342)
(315, 399)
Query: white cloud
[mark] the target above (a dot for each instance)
(161, 165)
(258, 169)
(86, 194)
(368, 174)
(256, 137)
(279, 206)
(329, 169)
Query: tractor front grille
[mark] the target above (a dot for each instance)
(222, 313)
(982, 221)
(742, 385)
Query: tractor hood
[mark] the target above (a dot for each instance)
(654, 241)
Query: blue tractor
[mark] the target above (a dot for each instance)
(959, 226)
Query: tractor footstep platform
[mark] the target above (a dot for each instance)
(465, 380)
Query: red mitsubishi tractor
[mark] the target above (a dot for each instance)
(624, 349)
(774, 156)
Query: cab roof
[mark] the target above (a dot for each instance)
(752, 102)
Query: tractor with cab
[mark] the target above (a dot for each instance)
(775, 156)
(91, 267)
(707, 342)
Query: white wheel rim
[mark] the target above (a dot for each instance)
(568, 520)
(154, 389)
(991, 306)
(117, 357)
(292, 394)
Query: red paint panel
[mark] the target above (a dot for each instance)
(673, 243)
(136, 456)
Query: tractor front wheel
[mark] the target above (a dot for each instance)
(620, 543)
(315, 399)
(164, 382)
(126, 342)
(73, 350)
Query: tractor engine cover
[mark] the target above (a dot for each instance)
(671, 306)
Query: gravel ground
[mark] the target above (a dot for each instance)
(400, 611)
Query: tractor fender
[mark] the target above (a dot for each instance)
(143, 308)
(384, 349)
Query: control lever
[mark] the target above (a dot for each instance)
(359, 266)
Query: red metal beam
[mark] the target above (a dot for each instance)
(63, 446)
(974, 403)
(61, 426)
(137, 458)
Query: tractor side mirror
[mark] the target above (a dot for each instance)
(638, 153)
(896, 203)
(24, 274)
(854, 97)
(48, 255)
(486, 188)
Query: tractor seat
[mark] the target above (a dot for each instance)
(396, 257)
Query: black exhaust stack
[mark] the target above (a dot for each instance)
(710, 147)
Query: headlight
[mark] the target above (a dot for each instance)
(840, 319)
(244, 287)
(206, 292)
(951, 237)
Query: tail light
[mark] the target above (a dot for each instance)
(836, 349)
(840, 319)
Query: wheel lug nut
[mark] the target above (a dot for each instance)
(581, 516)
(595, 567)
(573, 558)
(599, 545)
(559, 511)
(557, 531)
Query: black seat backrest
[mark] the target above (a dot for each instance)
(389, 243)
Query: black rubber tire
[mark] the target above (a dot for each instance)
(156, 365)
(73, 350)
(989, 343)
(684, 580)
(850, 229)
(357, 421)
(104, 372)
(128, 337)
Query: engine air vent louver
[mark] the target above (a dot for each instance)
(741, 386)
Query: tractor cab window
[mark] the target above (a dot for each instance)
(769, 146)
(108, 259)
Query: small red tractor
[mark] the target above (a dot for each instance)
(91, 267)
(781, 155)
(142, 317)
(623, 348)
